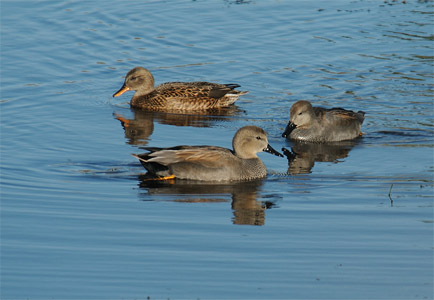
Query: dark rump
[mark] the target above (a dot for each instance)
(152, 167)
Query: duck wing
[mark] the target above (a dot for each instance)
(206, 156)
(198, 89)
(342, 116)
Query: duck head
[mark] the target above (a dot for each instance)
(250, 140)
(300, 115)
(137, 79)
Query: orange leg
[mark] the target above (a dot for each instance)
(170, 178)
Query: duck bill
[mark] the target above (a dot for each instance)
(123, 89)
(289, 128)
(271, 150)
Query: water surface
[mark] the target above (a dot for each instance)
(352, 221)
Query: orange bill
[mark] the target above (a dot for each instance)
(123, 89)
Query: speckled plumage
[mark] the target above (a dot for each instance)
(176, 96)
(317, 124)
(212, 163)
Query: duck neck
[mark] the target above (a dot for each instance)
(245, 155)
(144, 91)
(147, 86)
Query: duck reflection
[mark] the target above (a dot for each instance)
(140, 128)
(247, 210)
(303, 155)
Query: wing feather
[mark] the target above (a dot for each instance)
(343, 116)
(198, 89)
(207, 156)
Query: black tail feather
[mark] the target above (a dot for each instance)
(232, 85)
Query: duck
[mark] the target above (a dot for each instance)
(177, 96)
(318, 124)
(211, 163)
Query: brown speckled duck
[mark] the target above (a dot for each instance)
(211, 163)
(317, 124)
(176, 96)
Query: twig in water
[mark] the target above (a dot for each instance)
(390, 191)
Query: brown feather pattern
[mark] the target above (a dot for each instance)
(177, 96)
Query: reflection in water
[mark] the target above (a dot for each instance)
(246, 209)
(303, 155)
(140, 128)
(137, 130)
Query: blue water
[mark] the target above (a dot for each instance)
(353, 222)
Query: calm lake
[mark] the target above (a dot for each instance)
(347, 221)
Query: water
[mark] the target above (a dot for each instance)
(352, 222)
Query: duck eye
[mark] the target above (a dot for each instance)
(300, 113)
(258, 137)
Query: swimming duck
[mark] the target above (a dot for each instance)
(211, 163)
(176, 96)
(317, 124)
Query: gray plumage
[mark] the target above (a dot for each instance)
(317, 124)
(212, 163)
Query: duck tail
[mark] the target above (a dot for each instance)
(138, 157)
(232, 85)
(361, 115)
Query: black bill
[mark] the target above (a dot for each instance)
(289, 128)
(271, 150)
